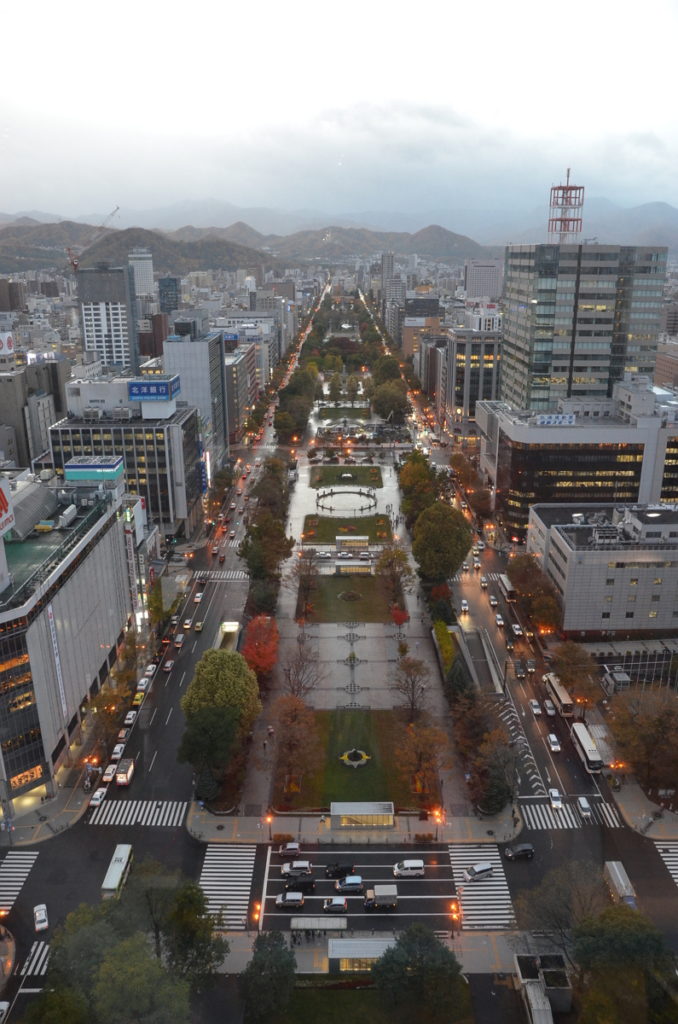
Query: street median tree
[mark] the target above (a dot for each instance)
(223, 679)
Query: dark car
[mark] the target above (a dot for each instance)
(302, 883)
(521, 851)
(338, 870)
(519, 669)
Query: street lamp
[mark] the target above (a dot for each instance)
(269, 822)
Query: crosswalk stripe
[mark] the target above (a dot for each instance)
(226, 880)
(153, 813)
(485, 905)
(543, 816)
(222, 575)
(668, 851)
(37, 960)
(14, 871)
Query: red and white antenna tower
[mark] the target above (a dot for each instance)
(565, 215)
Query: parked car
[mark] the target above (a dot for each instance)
(142, 685)
(123, 734)
(338, 870)
(138, 699)
(129, 717)
(555, 799)
(109, 774)
(521, 851)
(553, 742)
(118, 751)
(535, 707)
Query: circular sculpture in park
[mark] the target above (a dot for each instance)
(355, 758)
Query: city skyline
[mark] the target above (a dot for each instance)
(341, 111)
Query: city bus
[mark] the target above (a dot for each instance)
(117, 873)
(586, 749)
(563, 702)
(507, 588)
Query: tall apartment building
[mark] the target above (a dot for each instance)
(32, 397)
(241, 389)
(483, 279)
(576, 319)
(473, 361)
(108, 310)
(141, 262)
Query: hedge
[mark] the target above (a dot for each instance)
(446, 645)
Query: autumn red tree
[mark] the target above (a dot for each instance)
(260, 649)
(398, 615)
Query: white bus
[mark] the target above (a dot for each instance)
(117, 873)
(563, 702)
(507, 588)
(586, 749)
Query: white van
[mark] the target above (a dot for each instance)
(479, 871)
(408, 869)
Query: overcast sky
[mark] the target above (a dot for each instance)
(341, 107)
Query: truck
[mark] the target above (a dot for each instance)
(381, 897)
(619, 883)
(125, 772)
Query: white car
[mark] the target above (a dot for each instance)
(169, 665)
(109, 774)
(187, 624)
(198, 597)
(142, 685)
(517, 630)
(129, 717)
(549, 708)
(98, 796)
(555, 799)
(149, 671)
(118, 751)
(483, 582)
(499, 620)
(553, 742)
(40, 918)
(535, 707)
(480, 545)
(493, 601)
(464, 606)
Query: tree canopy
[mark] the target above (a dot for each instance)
(223, 679)
(420, 972)
(442, 538)
(260, 647)
(390, 400)
(267, 983)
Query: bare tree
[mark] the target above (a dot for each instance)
(302, 672)
(303, 578)
(410, 682)
(394, 567)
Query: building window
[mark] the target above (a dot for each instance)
(656, 597)
(605, 615)
(652, 615)
(629, 615)
(658, 580)
(631, 599)
(633, 582)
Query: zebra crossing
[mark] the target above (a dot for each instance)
(485, 905)
(221, 575)
(226, 880)
(154, 813)
(540, 815)
(668, 851)
(14, 871)
(37, 960)
(459, 577)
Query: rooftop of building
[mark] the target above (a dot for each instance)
(612, 526)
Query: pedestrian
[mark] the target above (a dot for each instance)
(270, 730)
(265, 744)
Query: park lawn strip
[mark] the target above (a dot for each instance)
(331, 476)
(360, 1005)
(375, 732)
(344, 412)
(371, 606)
(326, 529)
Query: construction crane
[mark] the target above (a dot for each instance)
(74, 252)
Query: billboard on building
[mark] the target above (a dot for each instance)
(153, 389)
(6, 508)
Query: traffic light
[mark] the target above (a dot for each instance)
(455, 910)
(256, 911)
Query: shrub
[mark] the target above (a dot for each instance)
(446, 645)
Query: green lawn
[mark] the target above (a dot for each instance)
(344, 412)
(325, 529)
(363, 476)
(375, 732)
(370, 603)
(363, 1006)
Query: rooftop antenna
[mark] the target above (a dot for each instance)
(565, 214)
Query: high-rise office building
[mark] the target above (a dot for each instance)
(141, 262)
(483, 279)
(169, 294)
(576, 319)
(108, 310)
